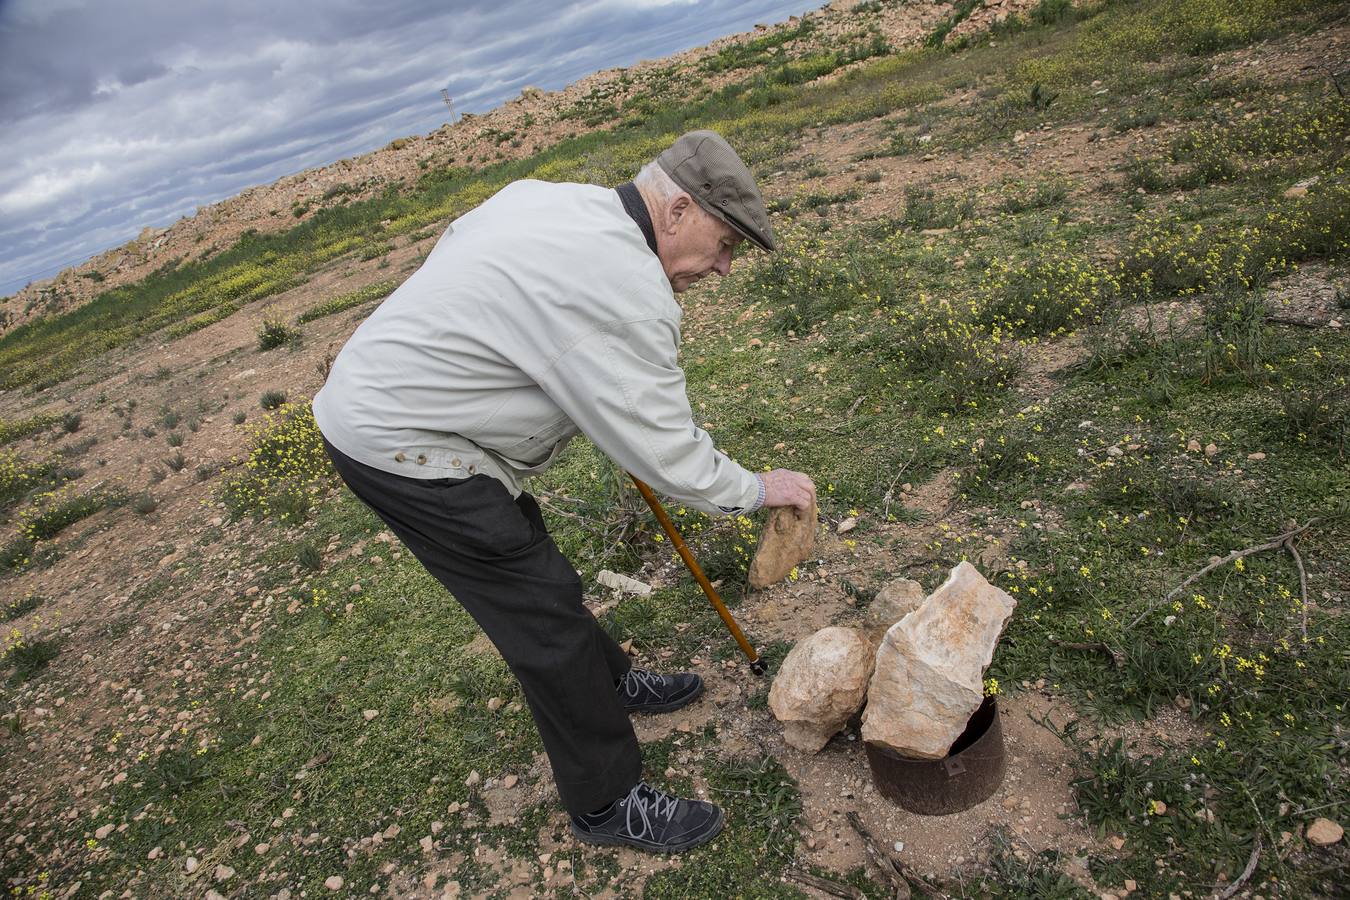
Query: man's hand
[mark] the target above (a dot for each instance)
(784, 487)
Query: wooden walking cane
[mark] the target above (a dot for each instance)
(756, 664)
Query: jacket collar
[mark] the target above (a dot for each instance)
(637, 209)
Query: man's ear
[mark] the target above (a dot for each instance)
(679, 208)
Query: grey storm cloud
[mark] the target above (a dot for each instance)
(129, 113)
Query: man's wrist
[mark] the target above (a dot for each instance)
(759, 501)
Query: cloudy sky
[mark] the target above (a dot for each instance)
(118, 114)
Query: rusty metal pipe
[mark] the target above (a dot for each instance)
(756, 664)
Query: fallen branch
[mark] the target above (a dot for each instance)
(1246, 873)
(1302, 585)
(1271, 544)
(891, 867)
(1117, 656)
(827, 885)
(889, 496)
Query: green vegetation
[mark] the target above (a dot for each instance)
(377, 291)
(22, 428)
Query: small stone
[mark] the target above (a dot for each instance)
(333, 882)
(495, 703)
(369, 714)
(892, 603)
(392, 831)
(223, 872)
(510, 781)
(1324, 832)
(846, 525)
(1295, 192)
(473, 778)
(1131, 885)
(155, 853)
(1258, 455)
(622, 583)
(105, 830)
(1019, 137)
(426, 843)
(214, 894)
(1211, 450)
(190, 864)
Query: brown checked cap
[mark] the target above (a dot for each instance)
(703, 163)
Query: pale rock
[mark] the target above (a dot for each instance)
(788, 537)
(510, 781)
(223, 872)
(820, 684)
(928, 679)
(622, 583)
(190, 865)
(369, 714)
(893, 602)
(1258, 456)
(334, 882)
(261, 849)
(105, 830)
(846, 525)
(1211, 450)
(1324, 832)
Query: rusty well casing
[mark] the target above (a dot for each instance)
(969, 774)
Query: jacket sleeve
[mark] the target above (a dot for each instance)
(623, 388)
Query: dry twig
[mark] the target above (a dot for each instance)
(1235, 555)
(827, 885)
(1246, 873)
(891, 867)
(1302, 584)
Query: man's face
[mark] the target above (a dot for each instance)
(694, 244)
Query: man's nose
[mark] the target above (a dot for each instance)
(723, 265)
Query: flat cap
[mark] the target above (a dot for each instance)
(703, 163)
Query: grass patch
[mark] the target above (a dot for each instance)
(350, 300)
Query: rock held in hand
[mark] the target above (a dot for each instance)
(788, 537)
(820, 685)
(928, 680)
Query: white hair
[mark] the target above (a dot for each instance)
(652, 179)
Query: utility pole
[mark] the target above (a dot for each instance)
(450, 104)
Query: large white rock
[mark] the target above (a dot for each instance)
(820, 684)
(929, 675)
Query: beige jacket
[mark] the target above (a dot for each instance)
(540, 314)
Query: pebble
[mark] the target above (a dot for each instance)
(1324, 832)
(190, 865)
(369, 714)
(510, 781)
(262, 849)
(333, 882)
(473, 778)
(155, 853)
(1258, 455)
(104, 830)
(223, 872)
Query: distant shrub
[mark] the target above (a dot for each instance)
(20, 428)
(272, 399)
(285, 468)
(144, 503)
(70, 422)
(275, 333)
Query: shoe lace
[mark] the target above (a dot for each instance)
(635, 681)
(662, 806)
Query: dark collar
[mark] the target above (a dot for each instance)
(635, 207)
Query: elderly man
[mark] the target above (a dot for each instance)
(547, 311)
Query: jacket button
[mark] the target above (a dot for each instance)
(472, 469)
(454, 463)
(421, 459)
(400, 456)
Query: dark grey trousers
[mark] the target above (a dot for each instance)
(495, 556)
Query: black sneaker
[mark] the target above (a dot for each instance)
(651, 820)
(643, 691)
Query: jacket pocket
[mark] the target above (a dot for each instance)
(537, 447)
